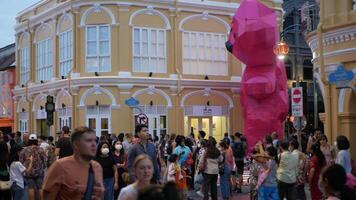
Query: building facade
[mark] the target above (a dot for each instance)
(7, 83)
(301, 17)
(332, 44)
(92, 56)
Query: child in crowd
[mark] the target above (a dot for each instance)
(17, 171)
(173, 168)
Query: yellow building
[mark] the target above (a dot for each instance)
(93, 55)
(337, 34)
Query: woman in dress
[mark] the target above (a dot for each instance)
(143, 169)
(316, 164)
(328, 150)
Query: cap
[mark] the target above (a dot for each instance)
(33, 137)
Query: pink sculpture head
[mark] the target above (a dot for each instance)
(253, 34)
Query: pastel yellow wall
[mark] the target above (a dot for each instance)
(338, 16)
(121, 61)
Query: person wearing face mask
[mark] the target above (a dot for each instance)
(120, 159)
(110, 174)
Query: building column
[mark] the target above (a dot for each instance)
(74, 112)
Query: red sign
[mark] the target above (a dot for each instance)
(297, 101)
(297, 95)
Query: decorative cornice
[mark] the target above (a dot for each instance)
(125, 83)
(333, 37)
(215, 8)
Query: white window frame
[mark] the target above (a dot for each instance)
(149, 56)
(23, 122)
(98, 55)
(64, 117)
(354, 4)
(98, 116)
(44, 60)
(24, 65)
(215, 62)
(65, 52)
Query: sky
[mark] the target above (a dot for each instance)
(8, 12)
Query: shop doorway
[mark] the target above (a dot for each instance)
(214, 126)
(195, 124)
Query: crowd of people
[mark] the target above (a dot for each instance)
(79, 165)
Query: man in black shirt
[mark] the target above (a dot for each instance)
(64, 145)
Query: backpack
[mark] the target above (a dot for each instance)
(238, 149)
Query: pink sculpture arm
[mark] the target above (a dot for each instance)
(264, 93)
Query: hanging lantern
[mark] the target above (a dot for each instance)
(281, 50)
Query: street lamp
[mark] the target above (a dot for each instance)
(281, 50)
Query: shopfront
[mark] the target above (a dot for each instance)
(213, 120)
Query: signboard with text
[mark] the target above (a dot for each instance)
(297, 101)
(341, 77)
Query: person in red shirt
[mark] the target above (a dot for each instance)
(317, 162)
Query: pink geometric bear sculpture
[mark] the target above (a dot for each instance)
(264, 95)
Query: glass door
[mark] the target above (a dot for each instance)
(157, 125)
(98, 119)
(196, 124)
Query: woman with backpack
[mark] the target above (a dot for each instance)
(209, 165)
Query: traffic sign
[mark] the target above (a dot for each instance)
(297, 101)
(141, 119)
(299, 123)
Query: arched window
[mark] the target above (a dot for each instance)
(149, 42)
(44, 53)
(98, 38)
(24, 56)
(204, 51)
(65, 37)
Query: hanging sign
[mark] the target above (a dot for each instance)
(341, 77)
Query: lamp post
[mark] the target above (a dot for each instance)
(281, 50)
